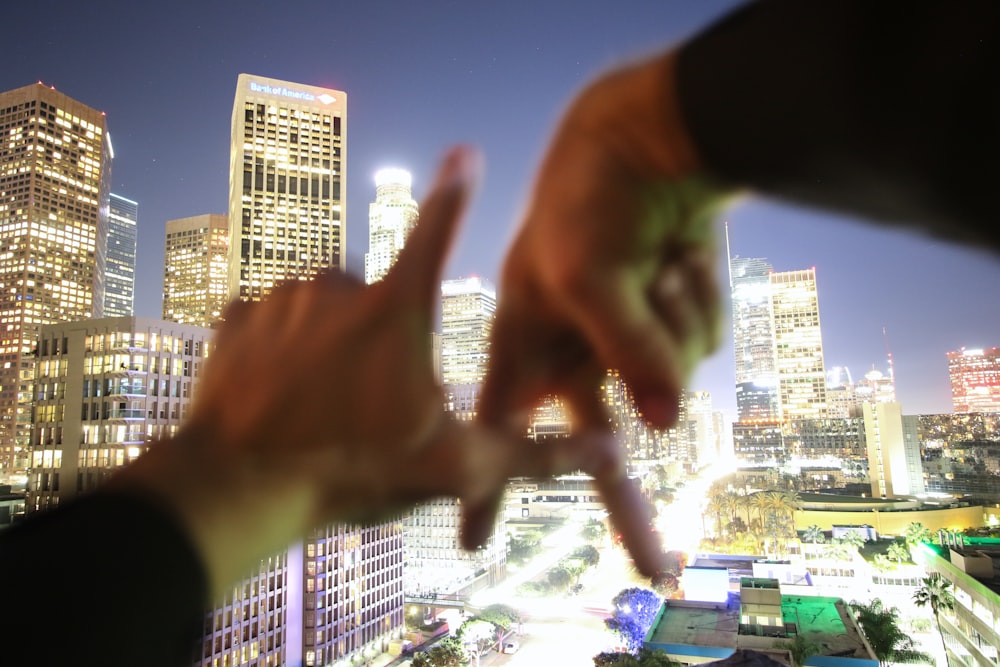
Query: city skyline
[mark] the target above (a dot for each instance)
(416, 91)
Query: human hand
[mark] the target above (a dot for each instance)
(612, 269)
(319, 404)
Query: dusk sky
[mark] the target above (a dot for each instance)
(421, 76)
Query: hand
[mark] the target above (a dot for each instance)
(612, 269)
(319, 404)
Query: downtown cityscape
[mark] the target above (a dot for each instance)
(813, 498)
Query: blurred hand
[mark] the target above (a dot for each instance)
(612, 269)
(320, 404)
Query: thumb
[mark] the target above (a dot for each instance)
(417, 272)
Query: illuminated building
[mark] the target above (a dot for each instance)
(134, 378)
(55, 168)
(705, 446)
(287, 179)
(119, 271)
(435, 562)
(798, 345)
(753, 337)
(391, 218)
(467, 309)
(975, 380)
(893, 442)
(196, 269)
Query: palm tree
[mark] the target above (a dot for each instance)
(886, 638)
(800, 648)
(898, 552)
(916, 533)
(714, 507)
(814, 534)
(936, 592)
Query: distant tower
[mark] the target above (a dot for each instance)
(753, 339)
(798, 345)
(467, 309)
(55, 171)
(975, 379)
(196, 269)
(286, 184)
(391, 218)
(119, 276)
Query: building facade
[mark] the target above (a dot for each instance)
(753, 337)
(798, 345)
(287, 181)
(467, 309)
(975, 379)
(196, 269)
(893, 441)
(55, 170)
(119, 274)
(391, 218)
(105, 391)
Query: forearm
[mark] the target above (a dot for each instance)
(874, 109)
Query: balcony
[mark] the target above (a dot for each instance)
(127, 371)
(127, 391)
(127, 414)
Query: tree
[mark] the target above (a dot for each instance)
(665, 584)
(477, 636)
(898, 552)
(646, 658)
(446, 653)
(886, 638)
(916, 533)
(635, 609)
(814, 534)
(594, 531)
(523, 547)
(588, 554)
(675, 562)
(853, 538)
(501, 615)
(560, 577)
(936, 592)
(800, 648)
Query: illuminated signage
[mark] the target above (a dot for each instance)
(293, 94)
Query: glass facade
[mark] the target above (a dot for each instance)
(119, 274)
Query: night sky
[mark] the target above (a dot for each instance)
(421, 76)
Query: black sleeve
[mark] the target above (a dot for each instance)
(109, 579)
(886, 110)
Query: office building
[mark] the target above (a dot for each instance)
(435, 563)
(196, 269)
(119, 272)
(753, 338)
(134, 378)
(893, 442)
(55, 170)
(798, 345)
(391, 218)
(467, 309)
(287, 180)
(975, 379)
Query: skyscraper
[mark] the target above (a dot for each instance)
(798, 345)
(287, 179)
(343, 584)
(196, 269)
(435, 562)
(467, 309)
(391, 218)
(975, 379)
(119, 275)
(55, 167)
(753, 338)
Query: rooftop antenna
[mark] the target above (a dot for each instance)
(729, 259)
(888, 353)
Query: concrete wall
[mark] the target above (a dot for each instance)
(895, 523)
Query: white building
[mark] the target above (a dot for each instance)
(391, 218)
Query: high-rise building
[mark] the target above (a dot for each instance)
(467, 309)
(134, 378)
(55, 170)
(391, 218)
(196, 269)
(287, 216)
(287, 179)
(119, 271)
(975, 379)
(753, 337)
(893, 442)
(434, 560)
(798, 345)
